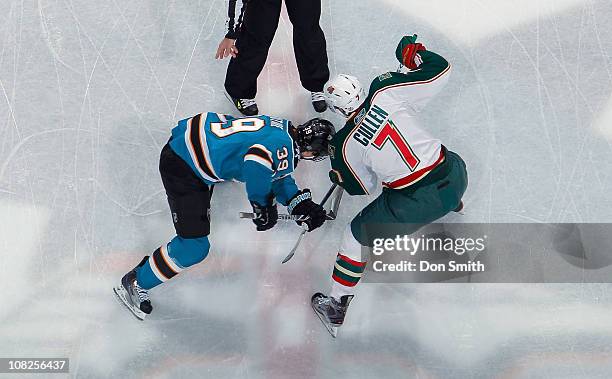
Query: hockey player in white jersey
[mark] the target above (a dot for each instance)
(382, 142)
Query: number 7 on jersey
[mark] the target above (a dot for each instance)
(389, 133)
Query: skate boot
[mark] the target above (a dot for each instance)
(247, 107)
(330, 312)
(134, 297)
(318, 101)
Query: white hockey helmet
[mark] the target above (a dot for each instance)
(344, 94)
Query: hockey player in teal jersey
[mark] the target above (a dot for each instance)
(210, 148)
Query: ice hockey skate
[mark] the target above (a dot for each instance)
(134, 297)
(330, 312)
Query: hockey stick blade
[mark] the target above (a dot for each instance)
(297, 244)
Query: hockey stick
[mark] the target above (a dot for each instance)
(285, 217)
(333, 212)
(282, 216)
(305, 227)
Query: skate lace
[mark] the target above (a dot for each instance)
(143, 294)
(247, 102)
(317, 96)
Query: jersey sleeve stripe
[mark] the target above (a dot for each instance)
(348, 164)
(256, 158)
(195, 141)
(265, 153)
(260, 154)
(426, 81)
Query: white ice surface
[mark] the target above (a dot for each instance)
(89, 91)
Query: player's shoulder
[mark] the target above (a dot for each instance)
(277, 129)
(274, 145)
(340, 140)
(214, 117)
(385, 80)
(277, 141)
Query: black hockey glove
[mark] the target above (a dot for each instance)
(302, 205)
(266, 215)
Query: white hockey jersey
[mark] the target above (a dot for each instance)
(384, 142)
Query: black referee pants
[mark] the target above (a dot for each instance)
(259, 25)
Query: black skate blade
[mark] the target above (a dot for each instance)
(333, 330)
(121, 296)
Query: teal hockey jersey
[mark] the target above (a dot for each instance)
(257, 150)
